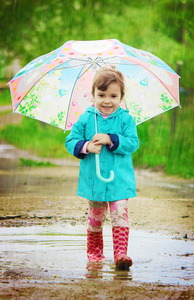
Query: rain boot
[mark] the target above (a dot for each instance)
(95, 246)
(120, 244)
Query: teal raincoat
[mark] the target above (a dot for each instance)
(123, 133)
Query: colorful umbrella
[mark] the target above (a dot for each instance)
(56, 88)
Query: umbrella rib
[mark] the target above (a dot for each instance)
(72, 94)
(89, 58)
(98, 65)
(119, 63)
(107, 58)
(82, 60)
(85, 62)
(91, 65)
(84, 72)
(102, 60)
(71, 66)
(74, 58)
(77, 59)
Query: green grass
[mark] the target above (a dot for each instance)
(5, 97)
(40, 139)
(34, 163)
(158, 147)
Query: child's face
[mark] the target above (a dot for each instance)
(108, 101)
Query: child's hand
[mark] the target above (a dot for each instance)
(93, 148)
(102, 138)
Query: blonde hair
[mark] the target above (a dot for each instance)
(105, 76)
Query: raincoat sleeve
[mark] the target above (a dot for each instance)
(126, 142)
(75, 140)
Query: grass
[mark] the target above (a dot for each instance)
(158, 147)
(34, 163)
(39, 138)
(5, 97)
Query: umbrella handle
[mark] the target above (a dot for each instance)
(98, 171)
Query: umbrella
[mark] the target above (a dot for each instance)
(56, 88)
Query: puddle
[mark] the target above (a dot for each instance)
(61, 251)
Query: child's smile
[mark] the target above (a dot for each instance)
(108, 101)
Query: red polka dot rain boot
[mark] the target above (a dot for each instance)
(120, 244)
(95, 246)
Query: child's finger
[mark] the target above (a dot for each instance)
(97, 136)
(95, 139)
(97, 143)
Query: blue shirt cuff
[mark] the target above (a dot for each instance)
(115, 140)
(78, 148)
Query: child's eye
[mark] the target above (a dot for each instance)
(100, 95)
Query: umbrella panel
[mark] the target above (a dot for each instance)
(49, 99)
(145, 95)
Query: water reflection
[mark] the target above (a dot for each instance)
(94, 270)
(61, 251)
(105, 270)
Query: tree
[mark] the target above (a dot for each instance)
(31, 28)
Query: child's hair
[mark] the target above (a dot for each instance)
(106, 76)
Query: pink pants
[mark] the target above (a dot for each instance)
(98, 210)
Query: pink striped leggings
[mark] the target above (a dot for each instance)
(97, 212)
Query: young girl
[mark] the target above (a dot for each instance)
(116, 141)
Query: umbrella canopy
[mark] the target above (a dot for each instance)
(56, 88)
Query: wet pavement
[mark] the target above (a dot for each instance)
(60, 251)
(43, 226)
